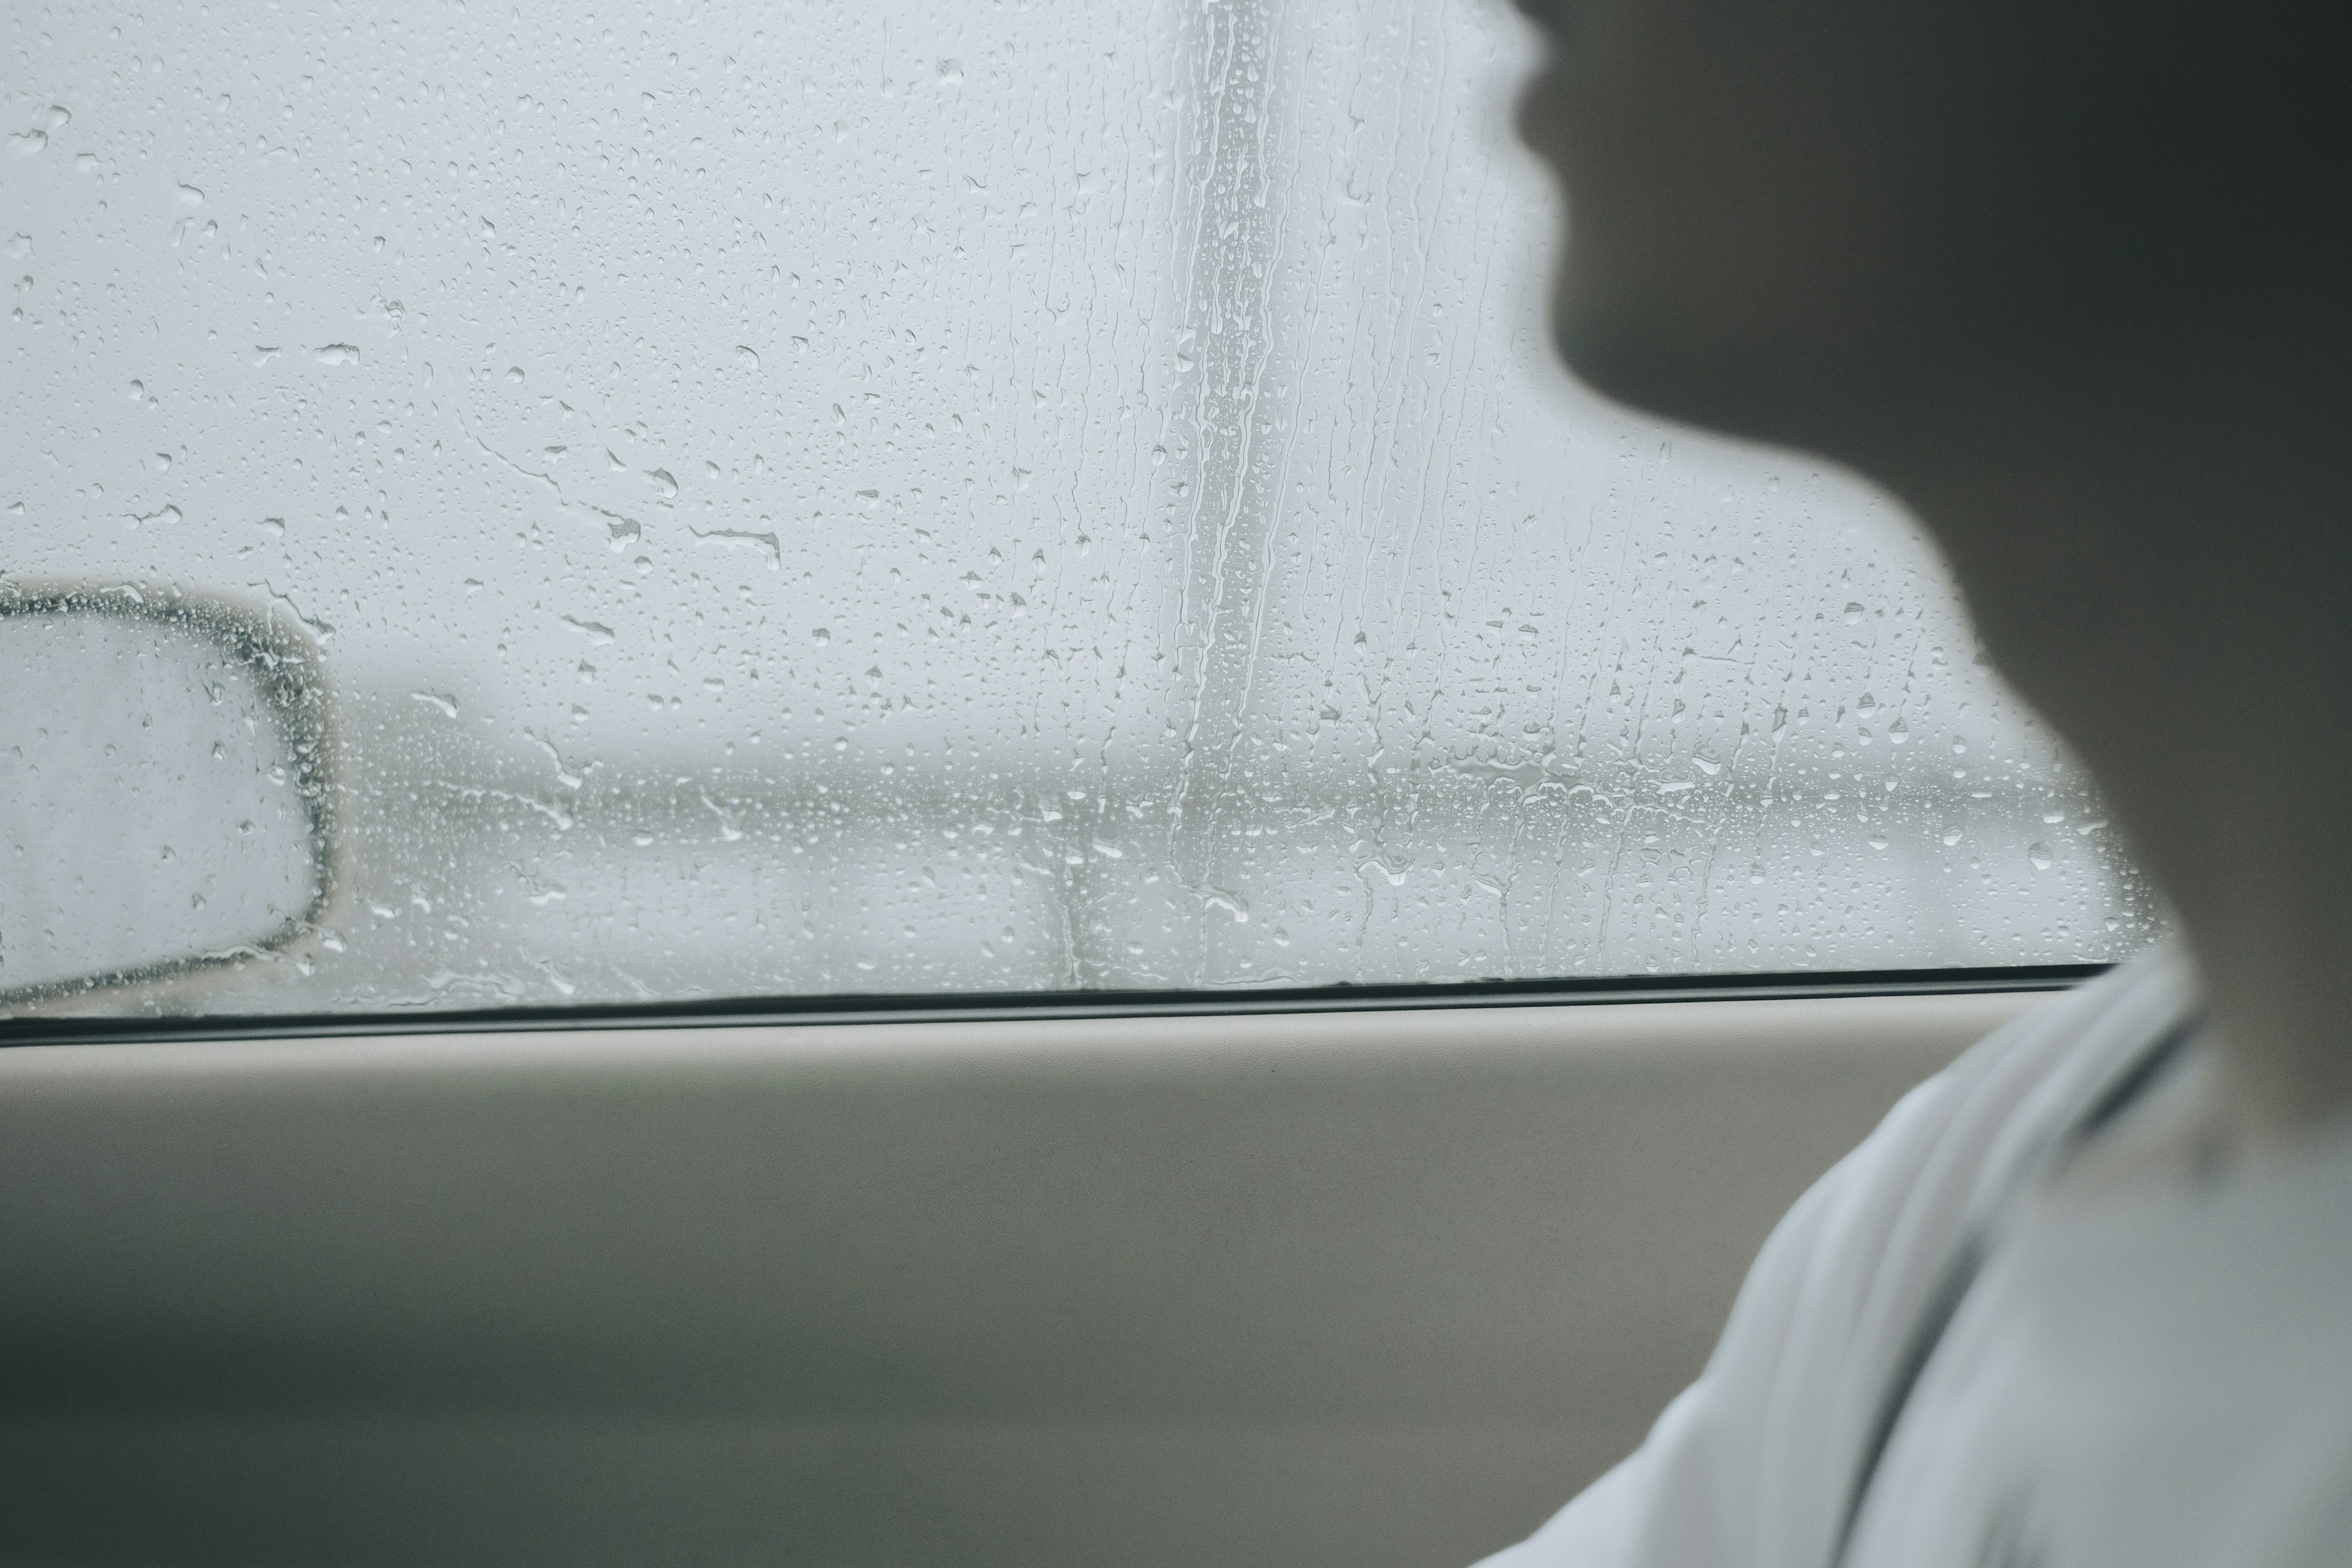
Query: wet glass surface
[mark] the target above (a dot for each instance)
(949, 497)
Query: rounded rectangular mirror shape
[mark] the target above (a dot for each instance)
(164, 803)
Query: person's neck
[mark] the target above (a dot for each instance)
(2173, 589)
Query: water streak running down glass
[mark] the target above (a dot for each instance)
(949, 497)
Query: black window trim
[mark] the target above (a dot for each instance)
(739, 1012)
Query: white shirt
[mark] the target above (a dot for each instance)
(2159, 1376)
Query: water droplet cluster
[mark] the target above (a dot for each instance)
(939, 495)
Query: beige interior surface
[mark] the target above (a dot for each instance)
(1359, 1289)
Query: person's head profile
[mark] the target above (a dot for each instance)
(2070, 278)
(1817, 220)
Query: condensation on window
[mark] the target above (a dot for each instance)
(939, 497)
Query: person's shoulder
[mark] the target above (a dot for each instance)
(1757, 1460)
(2030, 1084)
(2002, 1101)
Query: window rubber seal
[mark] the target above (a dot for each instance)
(757, 1012)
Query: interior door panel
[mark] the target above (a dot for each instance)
(1355, 1288)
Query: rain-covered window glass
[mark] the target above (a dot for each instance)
(941, 495)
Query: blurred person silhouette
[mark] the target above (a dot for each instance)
(2070, 278)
